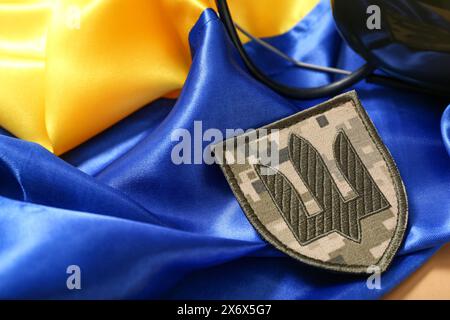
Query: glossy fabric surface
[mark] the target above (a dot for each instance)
(69, 69)
(141, 227)
(445, 127)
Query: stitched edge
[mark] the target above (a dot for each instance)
(384, 262)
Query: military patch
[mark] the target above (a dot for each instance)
(325, 191)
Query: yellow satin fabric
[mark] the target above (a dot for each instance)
(71, 68)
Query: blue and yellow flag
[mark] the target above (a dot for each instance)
(91, 92)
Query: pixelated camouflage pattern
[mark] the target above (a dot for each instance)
(381, 233)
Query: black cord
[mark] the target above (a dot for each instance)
(291, 92)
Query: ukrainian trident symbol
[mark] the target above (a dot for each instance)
(335, 198)
(337, 215)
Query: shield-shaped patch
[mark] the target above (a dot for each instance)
(321, 186)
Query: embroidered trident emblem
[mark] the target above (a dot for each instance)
(334, 200)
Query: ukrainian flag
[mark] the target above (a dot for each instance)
(90, 94)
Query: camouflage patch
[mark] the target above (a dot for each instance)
(335, 200)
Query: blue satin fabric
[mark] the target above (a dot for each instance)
(141, 227)
(445, 128)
